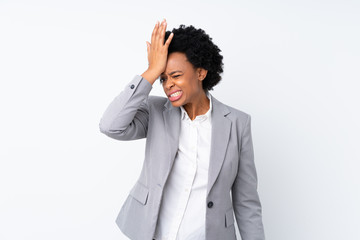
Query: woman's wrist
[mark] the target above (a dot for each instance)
(150, 76)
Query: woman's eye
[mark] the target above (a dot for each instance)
(161, 80)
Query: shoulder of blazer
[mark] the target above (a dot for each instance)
(231, 111)
(234, 114)
(239, 114)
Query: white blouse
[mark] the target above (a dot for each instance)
(183, 207)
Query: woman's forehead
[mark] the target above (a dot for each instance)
(176, 62)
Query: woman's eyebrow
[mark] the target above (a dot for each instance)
(172, 72)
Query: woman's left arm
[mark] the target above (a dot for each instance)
(246, 202)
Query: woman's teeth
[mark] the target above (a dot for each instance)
(175, 94)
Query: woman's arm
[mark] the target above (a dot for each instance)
(246, 202)
(126, 118)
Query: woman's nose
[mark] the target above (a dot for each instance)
(169, 83)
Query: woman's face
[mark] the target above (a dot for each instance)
(181, 82)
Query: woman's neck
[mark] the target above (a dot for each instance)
(199, 106)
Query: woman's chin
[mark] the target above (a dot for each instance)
(176, 104)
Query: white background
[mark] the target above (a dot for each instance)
(292, 65)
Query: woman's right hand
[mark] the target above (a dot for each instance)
(157, 52)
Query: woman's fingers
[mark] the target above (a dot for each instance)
(158, 34)
(162, 33)
(157, 50)
(153, 35)
(163, 28)
(167, 43)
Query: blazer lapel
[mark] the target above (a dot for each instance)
(171, 116)
(220, 134)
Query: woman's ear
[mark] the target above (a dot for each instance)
(201, 73)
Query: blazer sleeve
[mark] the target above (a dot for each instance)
(127, 116)
(246, 202)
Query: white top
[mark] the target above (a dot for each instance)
(183, 208)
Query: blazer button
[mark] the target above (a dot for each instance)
(210, 204)
(132, 86)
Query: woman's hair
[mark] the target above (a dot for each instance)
(200, 52)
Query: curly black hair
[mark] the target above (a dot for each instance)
(200, 51)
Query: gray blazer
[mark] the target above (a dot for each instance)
(232, 179)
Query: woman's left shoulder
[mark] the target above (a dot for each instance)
(236, 114)
(239, 113)
(232, 113)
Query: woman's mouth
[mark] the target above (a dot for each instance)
(175, 96)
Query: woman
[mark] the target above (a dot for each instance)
(198, 150)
